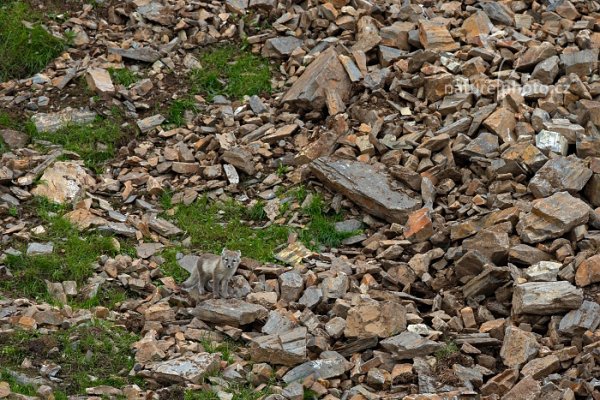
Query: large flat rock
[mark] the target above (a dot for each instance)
(372, 190)
(229, 311)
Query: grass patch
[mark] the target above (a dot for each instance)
(95, 143)
(446, 351)
(178, 108)
(15, 386)
(25, 50)
(123, 76)
(227, 70)
(72, 258)
(227, 348)
(91, 354)
(212, 226)
(7, 121)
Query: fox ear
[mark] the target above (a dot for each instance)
(239, 253)
(223, 251)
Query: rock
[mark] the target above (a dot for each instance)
(527, 255)
(281, 47)
(552, 217)
(491, 244)
(145, 54)
(149, 123)
(83, 219)
(287, 348)
(229, 311)
(477, 27)
(291, 285)
(588, 271)
(163, 227)
(560, 174)
(98, 80)
(543, 271)
(349, 225)
(321, 369)
(14, 139)
(434, 36)
(324, 73)
(582, 63)
(409, 345)
(546, 70)
(373, 318)
(518, 347)
(539, 368)
(498, 12)
(419, 226)
(527, 389)
(311, 297)
(36, 249)
(53, 122)
(366, 187)
(502, 122)
(549, 141)
(546, 298)
(501, 383)
(64, 182)
(240, 158)
(147, 250)
(188, 368)
(534, 55)
(576, 322)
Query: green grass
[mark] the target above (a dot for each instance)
(123, 76)
(446, 351)
(24, 51)
(15, 386)
(226, 348)
(91, 354)
(72, 258)
(227, 70)
(7, 121)
(239, 391)
(95, 143)
(178, 108)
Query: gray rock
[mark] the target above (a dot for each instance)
(241, 158)
(560, 174)
(374, 191)
(150, 123)
(581, 62)
(293, 391)
(37, 249)
(491, 244)
(257, 105)
(53, 122)
(349, 225)
(277, 323)
(281, 47)
(326, 72)
(552, 217)
(547, 70)
(188, 262)
(291, 285)
(576, 322)
(14, 139)
(498, 12)
(518, 347)
(335, 287)
(118, 228)
(409, 345)
(163, 227)
(147, 250)
(287, 348)
(549, 141)
(311, 297)
(146, 54)
(229, 311)
(523, 254)
(322, 369)
(188, 368)
(544, 271)
(546, 298)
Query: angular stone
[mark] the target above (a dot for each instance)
(146, 54)
(588, 271)
(396, 35)
(64, 182)
(491, 244)
(321, 369)
(53, 122)
(576, 322)
(419, 226)
(311, 297)
(409, 345)
(499, 12)
(434, 36)
(373, 318)
(192, 367)
(539, 368)
(287, 348)
(560, 174)
(582, 63)
(544, 271)
(547, 70)
(546, 298)
(501, 383)
(526, 389)
(147, 250)
(291, 285)
(241, 158)
(477, 27)
(335, 287)
(14, 139)
(527, 255)
(535, 55)
(229, 311)
(150, 123)
(36, 249)
(98, 80)
(502, 122)
(326, 72)
(552, 217)
(370, 189)
(163, 227)
(280, 47)
(518, 347)
(548, 141)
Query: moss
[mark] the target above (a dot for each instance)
(123, 76)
